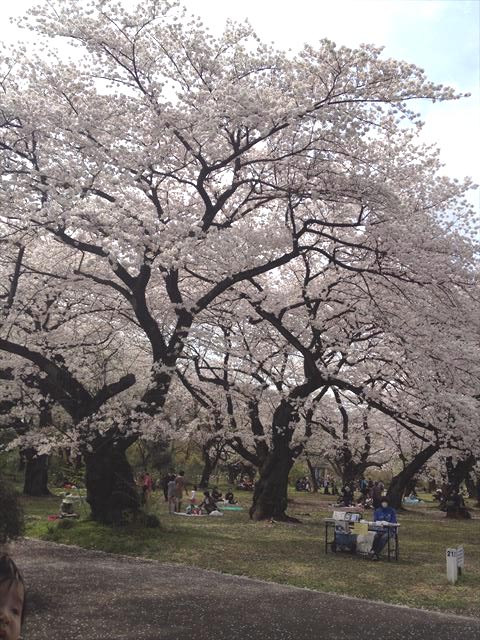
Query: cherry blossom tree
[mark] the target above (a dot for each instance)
(349, 437)
(358, 339)
(62, 346)
(172, 168)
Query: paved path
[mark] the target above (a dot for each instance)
(91, 595)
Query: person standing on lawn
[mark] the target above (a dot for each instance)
(180, 489)
(384, 513)
(165, 480)
(147, 486)
(172, 496)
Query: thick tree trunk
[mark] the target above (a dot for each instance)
(350, 474)
(411, 485)
(270, 495)
(459, 472)
(232, 474)
(312, 476)
(208, 468)
(470, 485)
(400, 482)
(111, 491)
(36, 474)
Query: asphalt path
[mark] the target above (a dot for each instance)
(75, 593)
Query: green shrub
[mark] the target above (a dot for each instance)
(53, 534)
(11, 513)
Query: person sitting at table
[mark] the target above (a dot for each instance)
(384, 513)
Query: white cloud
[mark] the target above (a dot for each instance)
(456, 126)
(291, 24)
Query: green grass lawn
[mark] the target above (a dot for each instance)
(293, 553)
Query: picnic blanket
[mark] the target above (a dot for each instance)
(198, 515)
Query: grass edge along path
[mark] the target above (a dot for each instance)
(293, 554)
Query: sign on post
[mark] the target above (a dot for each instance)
(455, 564)
(460, 560)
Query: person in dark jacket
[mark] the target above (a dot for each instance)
(230, 498)
(384, 513)
(208, 503)
(165, 480)
(216, 494)
(347, 495)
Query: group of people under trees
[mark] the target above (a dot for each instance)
(175, 492)
(303, 484)
(370, 491)
(372, 496)
(328, 485)
(209, 503)
(173, 486)
(245, 484)
(451, 501)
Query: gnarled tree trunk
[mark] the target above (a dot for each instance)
(459, 472)
(270, 495)
(36, 473)
(36, 466)
(313, 476)
(400, 482)
(111, 490)
(411, 486)
(209, 465)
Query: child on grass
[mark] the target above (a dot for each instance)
(193, 496)
(12, 600)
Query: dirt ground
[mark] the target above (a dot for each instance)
(75, 593)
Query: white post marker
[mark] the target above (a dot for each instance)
(452, 567)
(455, 564)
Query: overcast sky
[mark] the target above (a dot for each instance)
(441, 36)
